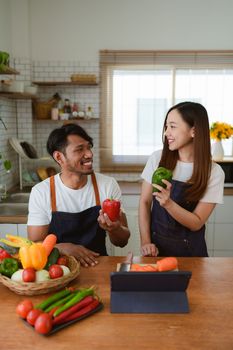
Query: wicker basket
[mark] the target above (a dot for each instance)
(42, 110)
(84, 79)
(33, 288)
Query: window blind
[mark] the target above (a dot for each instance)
(111, 60)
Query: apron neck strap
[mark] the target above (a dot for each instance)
(53, 194)
(97, 196)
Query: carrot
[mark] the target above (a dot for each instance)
(149, 268)
(81, 304)
(92, 306)
(135, 267)
(141, 268)
(167, 264)
(49, 243)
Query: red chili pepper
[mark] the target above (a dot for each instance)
(83, 303)
(51, 312)
(4, 254)
(92, 306)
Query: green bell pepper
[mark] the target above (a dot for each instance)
(159, 175)
(9, 266)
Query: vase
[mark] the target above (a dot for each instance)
(217, 150)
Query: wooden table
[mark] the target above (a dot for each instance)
(209, 325)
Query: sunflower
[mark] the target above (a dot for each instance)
(220, 131)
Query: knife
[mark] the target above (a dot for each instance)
(125, 266)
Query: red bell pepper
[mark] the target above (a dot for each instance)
(4, 254)
(112, 208)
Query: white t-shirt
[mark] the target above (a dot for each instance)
(183, 172)
(67, 199)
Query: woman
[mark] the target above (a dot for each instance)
(172, 221)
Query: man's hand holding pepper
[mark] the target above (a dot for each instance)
(117, 230)
(106, 224)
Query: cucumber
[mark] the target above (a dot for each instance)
(11, 250)
(52, 258)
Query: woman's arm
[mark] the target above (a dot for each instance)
(145, 202)
(192, 220)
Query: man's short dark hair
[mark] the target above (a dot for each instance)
(58, 138)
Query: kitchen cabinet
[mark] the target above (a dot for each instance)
(130, 204)
(8, 229)
(13, 229)
(22, 230)
(223, 228)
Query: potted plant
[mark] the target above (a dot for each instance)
(218, 132)
(6, 163)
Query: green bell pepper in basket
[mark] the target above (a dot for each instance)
(159, 175)
(9, 266)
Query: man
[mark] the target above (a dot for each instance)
(69, 203)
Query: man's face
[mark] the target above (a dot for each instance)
(78, 157)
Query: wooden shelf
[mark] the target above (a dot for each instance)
(17, 95)
(70, 121)
(64, 83)
(8, 70)
(73, 121)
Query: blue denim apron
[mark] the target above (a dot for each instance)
(172, 238)
(79, 228)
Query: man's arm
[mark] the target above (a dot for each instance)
(37, 233)
(86, 256)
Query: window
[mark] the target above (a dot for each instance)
(139, 87)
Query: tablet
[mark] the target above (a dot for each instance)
(149, 292)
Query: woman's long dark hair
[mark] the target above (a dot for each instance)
(195, 115)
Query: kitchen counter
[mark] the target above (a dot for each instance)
(208, 326)
(127, 188)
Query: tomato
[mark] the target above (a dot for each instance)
(24, 307)
(55, 271)
(43, 323)
(32, 316)
(112, 208)
(29, 274)
(63, 260)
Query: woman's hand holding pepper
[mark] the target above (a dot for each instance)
(85, 256)
(163, 196)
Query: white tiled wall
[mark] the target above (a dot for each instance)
(17, 115)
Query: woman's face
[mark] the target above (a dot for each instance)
(178, 133)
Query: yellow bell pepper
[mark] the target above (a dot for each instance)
(33, 256)
(25, 257)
